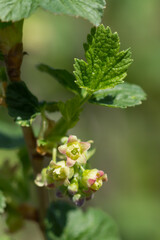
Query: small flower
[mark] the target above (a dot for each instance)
(43, 179)
(60, 172)
(73, 187)
(93, 179)
(78, 200)
(74, 150)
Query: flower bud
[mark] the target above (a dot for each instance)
(43, 179)
(93, 179)
(73, 187)
(74, 150)
(78, 200)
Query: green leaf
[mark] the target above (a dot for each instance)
(70, 110)
(122, 96)
(70, 115)
(93, 224)
(14, 10)
(2, 202)
(7, 141)
(56, 218)
(62, 76)
(49, 106)
(22, 104)
(106, 66)
(90, 9)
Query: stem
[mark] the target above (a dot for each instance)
(54, 155)
(12, 49)
(37, 164)
(85, 99)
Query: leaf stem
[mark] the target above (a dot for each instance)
(54, 155)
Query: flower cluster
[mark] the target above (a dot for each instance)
(70, 176)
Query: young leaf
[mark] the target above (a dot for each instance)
(70, 110)
(122, 96)
(62, 76)
(22, 104)
(106, 66)
(14, 10)
(76, 224)
(70, 115)
(2, 202)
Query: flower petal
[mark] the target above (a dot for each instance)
(91, 181)
(52, 164)
(100, 173)
(104, 178)
(70, 162)
(81, 159)
(85, 146)
(62, 149)
(66, 182)
(72, 138)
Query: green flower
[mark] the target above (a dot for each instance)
(60, 172)
(74, 150)
(73, 187)
(43, 179)
(93, 179)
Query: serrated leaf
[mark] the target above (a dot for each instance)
(14, 10)
(2, 202)
(56, 218)
(22, 104)
(122, 96)
(93, 224)
(106, 66)
(90, 9)
(62, 76)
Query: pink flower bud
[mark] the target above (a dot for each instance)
(93, 179)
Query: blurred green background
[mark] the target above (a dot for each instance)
(127, 141)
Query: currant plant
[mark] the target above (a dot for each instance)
(60, 163)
